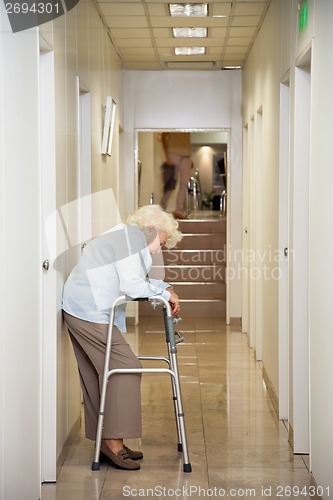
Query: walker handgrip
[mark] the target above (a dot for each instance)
(138, 299)
(154, 299)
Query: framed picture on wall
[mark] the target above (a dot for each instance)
(109, 117)
(219, 171)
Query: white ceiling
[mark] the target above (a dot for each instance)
(141, 31)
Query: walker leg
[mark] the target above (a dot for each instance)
(187, 464)
(170, 337)
(175, 402)
(96, 465)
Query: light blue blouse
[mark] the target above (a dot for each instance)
(113, 264)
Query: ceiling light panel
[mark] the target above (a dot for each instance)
(189, 32)
(188, 9)
(190, 51)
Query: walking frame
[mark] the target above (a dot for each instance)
(172, 370)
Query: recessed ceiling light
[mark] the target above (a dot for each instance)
(232, 67)
(189, 32)
(189, 51)
(188, 9)
(219, 16)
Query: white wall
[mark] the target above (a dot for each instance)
(276, 53)
(193, 100)
(81, 48)
(321, 249)
(273, 56)
(20, 265)
(261, 89)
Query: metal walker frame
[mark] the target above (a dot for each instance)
(172, 371)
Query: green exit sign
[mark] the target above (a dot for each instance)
(303, 17)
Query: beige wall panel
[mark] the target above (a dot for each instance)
(260, 89)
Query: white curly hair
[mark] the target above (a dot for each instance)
(154, 216)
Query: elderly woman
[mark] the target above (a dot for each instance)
(115, 263)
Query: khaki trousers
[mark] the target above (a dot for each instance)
(122, 418)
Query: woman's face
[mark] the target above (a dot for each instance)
(156, 242)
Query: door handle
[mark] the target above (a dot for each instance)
(46, 264)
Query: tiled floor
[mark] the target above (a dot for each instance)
(237, 446)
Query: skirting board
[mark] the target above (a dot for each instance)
(271, 391)
(68, 443)
(291, 436)
(235, 321)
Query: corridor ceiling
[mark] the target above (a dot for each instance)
(142, 33)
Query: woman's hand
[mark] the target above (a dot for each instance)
(174, 302)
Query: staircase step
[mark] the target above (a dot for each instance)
(202, 241)
(195, 273)
(199, 290)
(193, 257)
(202, 226)
(196, 269)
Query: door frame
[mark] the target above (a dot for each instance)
(284, 215)
(84, 161)
(49, 277)
(259, 244)
(245, 231)
(230, 262)
(299, 265)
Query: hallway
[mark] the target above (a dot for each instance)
(236, 442)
